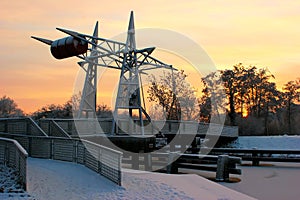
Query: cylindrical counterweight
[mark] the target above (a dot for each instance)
(68, 47)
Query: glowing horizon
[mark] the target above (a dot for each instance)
(264, 34)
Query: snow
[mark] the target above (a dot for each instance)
(267, 142)
(8, 181)
(270, 181)
(49, 179)
(9, 185)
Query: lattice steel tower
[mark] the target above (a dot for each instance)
(94, 52)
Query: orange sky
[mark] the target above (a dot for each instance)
(261, 33)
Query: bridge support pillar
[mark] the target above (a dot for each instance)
(222, 168)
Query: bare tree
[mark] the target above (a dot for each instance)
(103, 111)
(175, 95)
(213, 100)
(291, 95)
(8, 108)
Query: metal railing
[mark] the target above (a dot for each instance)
(73, 127)
(100, 159)
(22, 125)
(13, 155)
(256, 155)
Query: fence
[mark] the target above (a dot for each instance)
(100, 159)
(24, 125)
(13, 155)
(52, 128)
(97, 126)
(257, 155)
(170, 162)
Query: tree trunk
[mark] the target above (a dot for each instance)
(266, 119)
(289, 118)
(232, 109)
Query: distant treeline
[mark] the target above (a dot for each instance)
(253, 102)
(248, 96)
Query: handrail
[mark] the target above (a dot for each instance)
(74, 150)
(61, 129)
(254, 150)
(37, 126)
(257, 155)
(15, 157)
(24, 125)
(17, 144)
(101, 146)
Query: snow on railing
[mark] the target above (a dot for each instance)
(101, 159)
(13, 155)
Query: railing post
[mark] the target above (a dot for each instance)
(29, 145)
(119, 171)
(99, 161)
(84, 155)
(6, 155)
(75, 150)
(172, 167)
(222, 173)
(148, 162)
(135, 160)
(5, 126)
(24, 183)
(255, 161)
(70, 125)
(51, 149)
(19, 162)
(28, 129)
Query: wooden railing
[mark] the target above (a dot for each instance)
(13, 155)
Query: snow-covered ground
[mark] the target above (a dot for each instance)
(61, 180)
(9, 185)
(270, 181)
(267, 142)
(49, 179)
(9, 181)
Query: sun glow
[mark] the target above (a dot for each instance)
(245, 113)
(253, 32)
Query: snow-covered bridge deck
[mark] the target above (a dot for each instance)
(49, 179)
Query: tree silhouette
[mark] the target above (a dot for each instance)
(249, 93)
(213, 100)
(291, 95)
(103, 111)
(9, 108)
(229, 78)
(174, 94)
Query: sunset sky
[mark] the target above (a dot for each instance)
(260, 33)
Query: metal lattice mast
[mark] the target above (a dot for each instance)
(88, 101)
(100, 52)
(129, 92)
